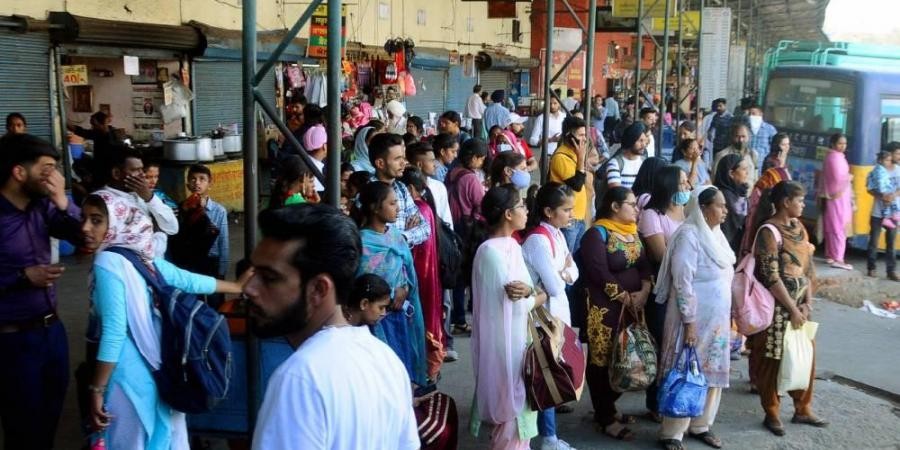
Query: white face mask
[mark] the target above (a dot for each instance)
(505, 147)
(755, 123)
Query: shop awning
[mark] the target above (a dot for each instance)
(226, 44)
(71, 29)
(777, 20)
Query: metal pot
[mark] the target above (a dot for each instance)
(232, 143)
(205, 150)
(180, 150)
(218, 148)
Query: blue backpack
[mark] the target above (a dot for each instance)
(195, 345)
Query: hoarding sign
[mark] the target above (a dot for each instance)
(318, 33)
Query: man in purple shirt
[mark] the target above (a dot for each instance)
(35, 368)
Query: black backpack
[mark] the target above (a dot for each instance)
(195, 346)
(450, 257)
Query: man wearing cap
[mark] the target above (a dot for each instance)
(517, 128)
(315, 141)
(496, 114)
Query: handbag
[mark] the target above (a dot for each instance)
(683, 390)
(554, 364)
(438, 422)
(752, 305)
(633, 366)
(796, 357)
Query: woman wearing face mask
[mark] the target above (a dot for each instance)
(659, 219)
(509, 168)
(732, 175)
(695, 281)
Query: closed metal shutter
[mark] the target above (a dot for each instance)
(459, 88)
(491, 80)
(430, 93)
(25, 80)
(218, 94)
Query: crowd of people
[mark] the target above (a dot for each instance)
(437, 237)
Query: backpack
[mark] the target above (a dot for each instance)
(601, 178)
(543, 232)
(195, 345)
(450, 257)
(752, 305)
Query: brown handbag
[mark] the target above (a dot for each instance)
(633, 365)
(554, 364)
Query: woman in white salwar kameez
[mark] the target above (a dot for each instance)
(551, 266)
(503, 295)
(695, 279)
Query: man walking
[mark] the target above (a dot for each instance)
(35, 369)
(342, 388)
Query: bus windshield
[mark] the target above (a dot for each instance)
(809, 104)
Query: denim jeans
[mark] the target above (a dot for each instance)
(573, 234)
(890, 253)
(458, 312)
(448, 308)
(547, 422)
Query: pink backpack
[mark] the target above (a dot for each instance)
(752, 305)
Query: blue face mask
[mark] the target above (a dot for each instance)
(681, 198)
(520, 179)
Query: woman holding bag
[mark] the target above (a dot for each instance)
(787, 270)
(617, 276)
(695, 281)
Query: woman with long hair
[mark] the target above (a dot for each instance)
(835, 192)
(695, 282)
(779, 150)
(732, 176)
(425, 259)
(125, 403)
(659, 219)
(503, 295)
(288, 187)
(551, 266)
(785, 266)
(509, 168)
(646, 178)
(692, 163)
(769, 179)
(386, 254)
(617, 275)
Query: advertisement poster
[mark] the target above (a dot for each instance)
(76, 75)
(318, 33)
(572, 77)
(145, 103)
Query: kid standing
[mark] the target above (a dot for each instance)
(879, 182)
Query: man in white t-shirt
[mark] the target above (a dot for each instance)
(554, 134)
(622, 169)
(342, 388)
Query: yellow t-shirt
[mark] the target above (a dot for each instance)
(562, 167)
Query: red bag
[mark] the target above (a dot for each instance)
(554, 364)
(752, 305)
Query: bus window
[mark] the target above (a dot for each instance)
(890, 120)
(814, 105)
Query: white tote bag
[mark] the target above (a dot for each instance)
(796, 357)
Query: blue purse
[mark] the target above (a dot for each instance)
(683, 390)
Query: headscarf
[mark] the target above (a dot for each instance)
(129, 226)
(360, 157)
(712, 241)
(771, 177)
(723, 177)
(395, 108)
(494, 146)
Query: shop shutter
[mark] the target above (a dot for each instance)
(218, 94)
(25, 79)
(459, 88)
(430, 93)
(491, 80)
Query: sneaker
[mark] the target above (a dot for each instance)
(888, 223)
(555, 443)
(451, 356)
(871, 273)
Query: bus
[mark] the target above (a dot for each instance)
(810, 103)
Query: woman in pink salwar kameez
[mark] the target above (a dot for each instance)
(835, 191)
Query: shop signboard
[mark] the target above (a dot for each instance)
(691, 26)
(75, 75)
(318, 33)
(652, 8)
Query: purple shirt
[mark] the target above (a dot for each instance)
(25, 242)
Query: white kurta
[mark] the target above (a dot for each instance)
(546, 264)
(500, 335)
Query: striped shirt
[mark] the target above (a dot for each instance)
(624, 176)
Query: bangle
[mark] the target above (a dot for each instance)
(97, 389)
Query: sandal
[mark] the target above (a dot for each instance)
(671, 444)
(653, 416)
(708, 438)
(774, 425)
(625, 434)
(461, 329)
(817, 422)
(841, 265)
(626, 419)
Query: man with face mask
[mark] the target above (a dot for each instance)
(568, 166)
(761, 133)
(740, 145)
(35, 369)
(341, 388)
